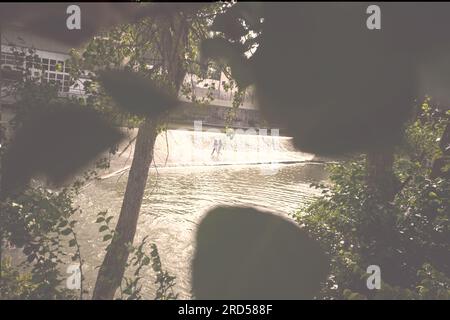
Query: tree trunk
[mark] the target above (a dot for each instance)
(112, 269)
(174, 37)
(380, 176)
(444, 159)
(1, 151)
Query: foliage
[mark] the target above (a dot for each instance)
(14, 284)
(407, 238)
(29, 89)
(139, 47)
(39, 222)
(131, 288)
(165, 281)
(136, 47)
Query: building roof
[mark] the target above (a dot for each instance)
(18, 37)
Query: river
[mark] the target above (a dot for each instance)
(175, 200)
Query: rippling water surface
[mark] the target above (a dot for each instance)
(175, 202)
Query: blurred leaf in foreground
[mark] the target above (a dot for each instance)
(243, 253)
(332, 83)
(135, 93)
(49, 19)
(56, 143)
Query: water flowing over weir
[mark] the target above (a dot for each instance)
(195, 148)
(192, 182)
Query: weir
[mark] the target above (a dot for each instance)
(174, 148)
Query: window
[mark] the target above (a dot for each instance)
(56, 72)
(214, 73)
(9, 59)
(44, 67)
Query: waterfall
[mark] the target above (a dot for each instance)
(188, 148)
(174, 148)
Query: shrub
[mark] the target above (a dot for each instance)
(407, 237)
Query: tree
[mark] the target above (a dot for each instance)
(171, 41)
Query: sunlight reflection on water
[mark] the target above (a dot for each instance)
(172, 209)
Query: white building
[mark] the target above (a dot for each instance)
(49, 64)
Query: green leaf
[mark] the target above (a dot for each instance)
(63, 224)
(146, 261)
(233, 54)
(66, 231)
(72, 243)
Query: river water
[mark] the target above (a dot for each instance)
(175, 200)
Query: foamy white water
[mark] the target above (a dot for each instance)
(192, 148)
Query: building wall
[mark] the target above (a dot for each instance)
(53, 54)
(50, 64)
(215, 116)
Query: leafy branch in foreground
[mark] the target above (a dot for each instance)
(131, 287)
(407, 237)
